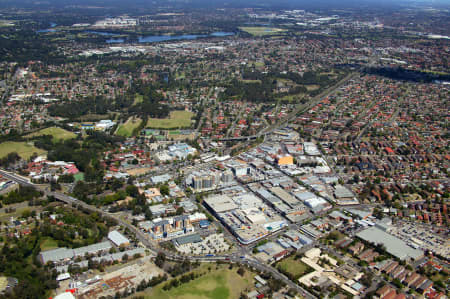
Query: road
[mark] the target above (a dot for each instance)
(70, 200)
(299, 109)
(236, 258)
(6, 93)
(235, 123)
(311, 103)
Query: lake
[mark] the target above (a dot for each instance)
(52, 25)
(101, 33)
(147, 38)
(163, 38)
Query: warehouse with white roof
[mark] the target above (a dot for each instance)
(394, 245)
(118, 239)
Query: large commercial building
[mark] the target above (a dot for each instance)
(220, 203)
(394, 245)
(64, 254)
(245, 215)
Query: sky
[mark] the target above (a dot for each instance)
(233, 3)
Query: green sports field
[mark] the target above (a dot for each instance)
(177, 119)
(138, 99)
(217, 284)
(127, 128)
(6, 23)
(262, 31)
(295, 267)
(57, 133)
(24, 149)
(48, 243)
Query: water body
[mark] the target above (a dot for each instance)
(163, 38)
(52, 25)
(101, 33)
(148, 38)
(257, 24)
(115, 41)
(46, 30)
(221, 34)
(109, 41)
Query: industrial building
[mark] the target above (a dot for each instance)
(64, 254)
(394, 245)
(118, 256)
(160, 179)
(118, 239)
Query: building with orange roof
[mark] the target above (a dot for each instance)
(285, 160)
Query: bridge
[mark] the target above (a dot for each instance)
(241, 138)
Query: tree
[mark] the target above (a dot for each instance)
(132, 190)
(54, 186)
(241, 271)
(292, 292)
(11, 158)
(148, 214)
(164, 189)
(397, 283)
(367, 279)
(116, 184)
(160, 259)
(66, 178)
(380, 248)
(26, 213)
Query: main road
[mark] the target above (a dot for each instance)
(299, 109)
(70, 200)
(152, 247)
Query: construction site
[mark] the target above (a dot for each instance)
(117, 280)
